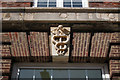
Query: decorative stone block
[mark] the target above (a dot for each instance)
(60, 41)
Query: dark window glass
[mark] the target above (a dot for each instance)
(60, 74)
(77, 0)
(67, 3)
(94, 74)
(42, 74)
(52, 4)
(42, 0)
(77, 75)
(42, 3)
(26, 74)
(77, 3)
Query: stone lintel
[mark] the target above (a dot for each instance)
(61, 14)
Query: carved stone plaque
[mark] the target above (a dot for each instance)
(60, 43)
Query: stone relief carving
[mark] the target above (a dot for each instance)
(60, 38)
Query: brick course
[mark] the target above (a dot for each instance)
(114, 68)
(91, 4)
(4, 77)
(15, 4)
(80, 47)
(5, 51)
(115, 37)
(105, 4)
(116, 78)
(6, 65)
(4, 37)
(115, 52)
(38, 42)
(99, 48)
(19, 45)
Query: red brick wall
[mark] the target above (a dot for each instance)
(80, 47)
(4, 77)
(115, 69)
(19, 47)
(91, 4)
(15, 4)
(5, 70)
(5, 51)
(115, 52)
(4, 37)
(104, 4)
(38, 42)
(116, 78)
(81, 41)
(100, 43)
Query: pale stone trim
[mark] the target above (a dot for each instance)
(60, 32)
(59, 47)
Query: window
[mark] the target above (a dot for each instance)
(60, 3)
(72, 3)
(67, 3)
(60, 74)
(46, 3)
(59, 71)
(52, 3)
(77, 3)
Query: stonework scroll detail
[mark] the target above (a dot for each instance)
(60, 39)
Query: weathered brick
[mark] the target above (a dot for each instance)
(5, 60)
(5, 51)
(19, 44)
(80, 47)
(16, 4)
(104, 4)
(5, 66)
(4, 77)
(38, 42)
(116, 78)
(115, 37)
(100, 45)
(115, 51)
(114, 67)
(4, 37)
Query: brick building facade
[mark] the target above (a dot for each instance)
(94, 36)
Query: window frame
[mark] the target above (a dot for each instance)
(59, 3)
(18, 66)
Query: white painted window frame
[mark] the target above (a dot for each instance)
(59, 3)
(103, 67)
(85, 3)
(35, 3)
